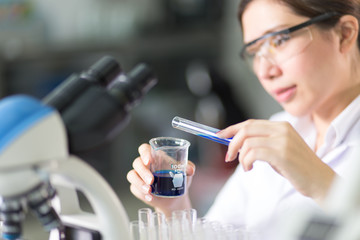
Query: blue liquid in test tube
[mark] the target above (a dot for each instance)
(198, 129)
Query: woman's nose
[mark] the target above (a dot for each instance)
(267, 68)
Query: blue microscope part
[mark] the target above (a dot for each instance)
(19, 113)
(10, 236)
(200, 130)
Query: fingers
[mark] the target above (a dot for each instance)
(252, 150)
(143, 171)
(190, 169)
(140, 177)
(234, 129)
(138, 187)
(141, 195)
(244, 131)
(255, 155)
(145, 153)
(240, 132)
(260, 140)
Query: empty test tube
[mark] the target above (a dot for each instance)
(145, 224)
(184, 225)
(160, 226)
(135, 230)
(144, 215)
(198, 129)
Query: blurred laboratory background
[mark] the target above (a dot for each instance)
(192, 47)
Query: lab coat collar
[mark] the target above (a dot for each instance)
(341, 125)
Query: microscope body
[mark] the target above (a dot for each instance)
(39, 145)
(34, 150)
(32, 136)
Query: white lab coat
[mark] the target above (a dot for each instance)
(260, 198)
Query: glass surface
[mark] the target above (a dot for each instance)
(277, 47)
(199, 129)
(170, 156)
(183, 225)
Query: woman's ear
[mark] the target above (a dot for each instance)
(348, 29)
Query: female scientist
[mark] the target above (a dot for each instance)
(306, 55)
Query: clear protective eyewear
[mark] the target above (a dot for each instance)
(277, 47)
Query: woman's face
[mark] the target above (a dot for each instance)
(306, 82)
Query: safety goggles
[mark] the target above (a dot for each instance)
(277, 47)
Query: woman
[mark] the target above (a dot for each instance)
(305, 54)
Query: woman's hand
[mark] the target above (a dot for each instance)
(278, 144)
(141, 178)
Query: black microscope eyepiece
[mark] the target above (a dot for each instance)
(129, 89)
(103, 71)
(95, 104)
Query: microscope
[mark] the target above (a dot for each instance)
(40, 170)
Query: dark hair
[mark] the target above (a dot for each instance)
(312, 8)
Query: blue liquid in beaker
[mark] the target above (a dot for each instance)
(168, 183)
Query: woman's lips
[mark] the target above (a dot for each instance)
(284, 94)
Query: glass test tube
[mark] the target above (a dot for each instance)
(135, 230)
(184, 225)
(198, 129)
(145, 223)
(192, 215)
(144, 215)
(160, 226)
